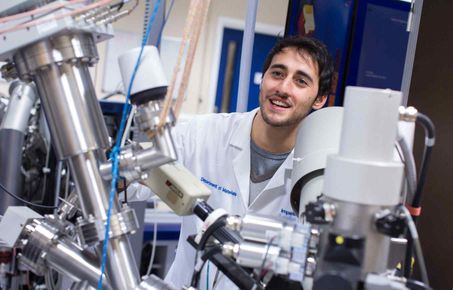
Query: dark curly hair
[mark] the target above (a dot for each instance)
(318, 53)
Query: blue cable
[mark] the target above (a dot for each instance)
(116, 149)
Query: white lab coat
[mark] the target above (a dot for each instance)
(216, 148)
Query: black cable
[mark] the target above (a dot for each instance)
(430, 135)
(416, 201)
(219, 223)
(206, 256)
(412, 231)
(206, 235)
(24, 201)
(407, 265)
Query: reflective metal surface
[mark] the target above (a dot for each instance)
(91, 188)
(252, 255)
(356, 219)
(58, 49)
(259, 228)
(82, 285)
(64, 258)
(66, 91)
(93, 193)
(59, 67)
(164, 143)
(22, 98)
(44, 244)
(135, 165)
(148, 116)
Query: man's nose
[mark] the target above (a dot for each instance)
(284, 87)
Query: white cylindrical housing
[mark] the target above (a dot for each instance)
(150, 73)
(317, 137)
(364, 171)
(370, 123)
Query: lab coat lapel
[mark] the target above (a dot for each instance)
(240, 140)
(279, 177)
(277, 186)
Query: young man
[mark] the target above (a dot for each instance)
(246, 158)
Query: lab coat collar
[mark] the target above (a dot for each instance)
(241, 161)
(240, 140)
(276, 186)
(281, 171)
(241, 137)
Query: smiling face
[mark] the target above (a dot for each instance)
(289, 89)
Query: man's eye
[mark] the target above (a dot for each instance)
(276, 73)
(301, 82)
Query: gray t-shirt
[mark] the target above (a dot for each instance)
(263, 165)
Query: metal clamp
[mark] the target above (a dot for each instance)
(89, 230)
(124, 222)
(92, 230)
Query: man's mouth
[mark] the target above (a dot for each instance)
(280, 104)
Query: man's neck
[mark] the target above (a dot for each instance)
(273, 139)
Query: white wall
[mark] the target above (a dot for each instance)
(199, 98)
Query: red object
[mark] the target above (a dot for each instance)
(415, 211)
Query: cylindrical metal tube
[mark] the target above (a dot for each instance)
(134, 165)
(152, 158)
(92, 189)
(43, 245)
(246, 56)
(121, 265)
(68, 259)
(12, 135)
(164, 143)
(253, 255)
(22, 99)
(59, 67)
(259, 228)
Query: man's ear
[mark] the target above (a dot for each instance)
(319, 102)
